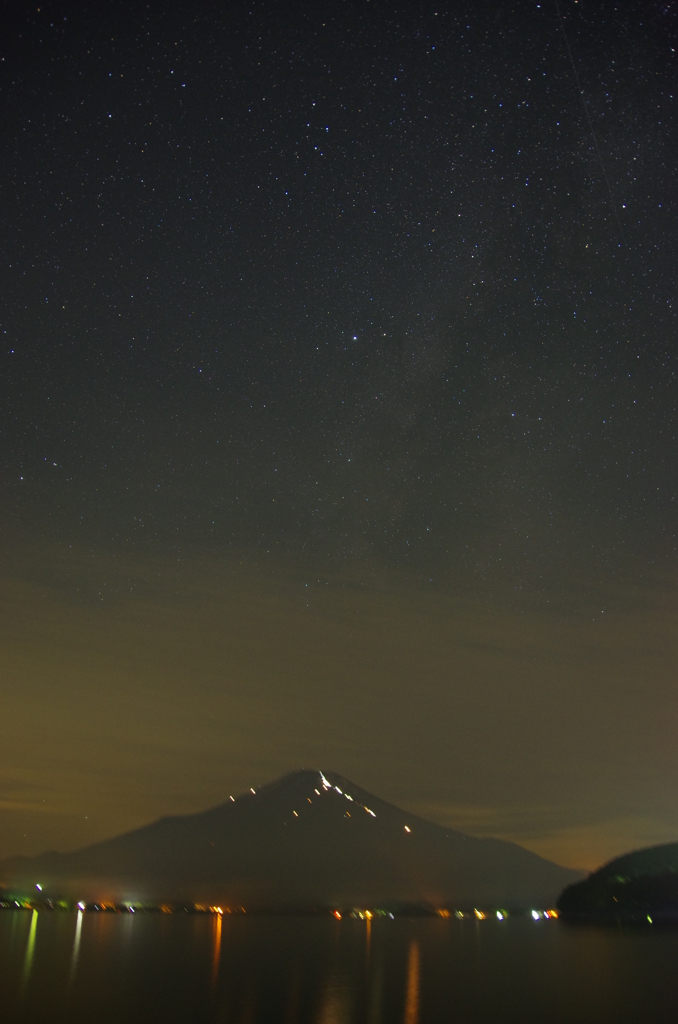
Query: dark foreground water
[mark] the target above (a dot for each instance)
(100, 967)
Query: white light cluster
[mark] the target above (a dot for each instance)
(327, 786)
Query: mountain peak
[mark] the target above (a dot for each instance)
(311, 837)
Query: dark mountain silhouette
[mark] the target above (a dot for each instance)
(632, 887)
(309, 839)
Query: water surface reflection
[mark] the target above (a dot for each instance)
(216, 948)
(30, 949)
(211, 970)
(412, 993)
(76, 946)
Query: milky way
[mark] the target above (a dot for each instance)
(341, 293)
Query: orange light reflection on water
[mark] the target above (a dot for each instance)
(411, 1015)
(216, 947)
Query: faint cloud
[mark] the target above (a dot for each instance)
(590, 846)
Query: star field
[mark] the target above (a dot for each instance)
(340, 291)
(350, 278)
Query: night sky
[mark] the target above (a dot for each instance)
(338, 413)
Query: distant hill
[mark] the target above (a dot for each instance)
(309, 839)
(631, 887)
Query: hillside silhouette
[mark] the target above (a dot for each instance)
(310, 839)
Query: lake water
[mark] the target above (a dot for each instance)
(99, 967)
